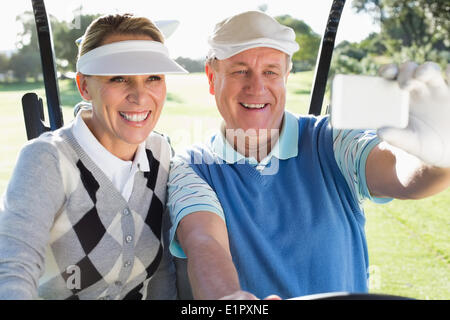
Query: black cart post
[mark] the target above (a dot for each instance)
(32, 105)
(324, 57)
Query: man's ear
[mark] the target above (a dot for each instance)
(82, 86)
(287, 76)
(210, 74)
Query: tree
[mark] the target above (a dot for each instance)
(25, 63)
(435, 14)
(191, 65)
(412, 29)
(415, 30)
(4, 63)
(353, 58)
(308, 40)
(27, 39)
(64, 35)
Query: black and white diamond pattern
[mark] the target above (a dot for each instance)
(88, 237)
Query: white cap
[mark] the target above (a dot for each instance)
(249, 30)
(131, 57)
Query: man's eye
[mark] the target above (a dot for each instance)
(117, 79)
(154, 78)
(241, 72)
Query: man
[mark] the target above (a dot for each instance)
(259, 213)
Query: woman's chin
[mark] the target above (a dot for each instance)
(136, 140)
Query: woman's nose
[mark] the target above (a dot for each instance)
(139, 95)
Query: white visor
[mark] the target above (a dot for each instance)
(131, 57)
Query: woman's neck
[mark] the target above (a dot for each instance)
(118, 148)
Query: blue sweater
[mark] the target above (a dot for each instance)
(296, 232)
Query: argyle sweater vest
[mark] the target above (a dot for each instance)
(67, 233)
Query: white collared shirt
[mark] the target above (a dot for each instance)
(120, 172)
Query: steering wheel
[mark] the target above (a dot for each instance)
(350, 296)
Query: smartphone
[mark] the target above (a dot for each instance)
(367, 102)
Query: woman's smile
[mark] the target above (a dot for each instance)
(135, 118)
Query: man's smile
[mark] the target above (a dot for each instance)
(257, 106)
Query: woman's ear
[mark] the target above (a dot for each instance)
(82, 86)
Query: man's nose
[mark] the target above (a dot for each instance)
(255, 84)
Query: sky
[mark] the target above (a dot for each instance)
(197, 17)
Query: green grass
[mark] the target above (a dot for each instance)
(409, 241)
(409, 246)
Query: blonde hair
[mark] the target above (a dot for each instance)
(117, 24)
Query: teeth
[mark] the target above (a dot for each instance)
(254, 106)
(135, 117)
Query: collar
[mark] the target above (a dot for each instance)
(109, 163)
(286, 147)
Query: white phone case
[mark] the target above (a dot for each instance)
(366, 102)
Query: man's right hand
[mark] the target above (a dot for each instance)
(204, 238)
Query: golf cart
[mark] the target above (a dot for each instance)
(33, 107)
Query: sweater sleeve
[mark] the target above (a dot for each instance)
(27, 210)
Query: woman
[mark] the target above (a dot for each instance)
(82, 215)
